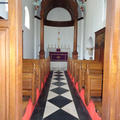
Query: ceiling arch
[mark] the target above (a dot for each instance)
(59, 14)
(70, 5)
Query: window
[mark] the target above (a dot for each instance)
(27, 18)
(3, 9)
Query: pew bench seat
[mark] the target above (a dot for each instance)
(98, 105)
(29, 85)
(93, 86)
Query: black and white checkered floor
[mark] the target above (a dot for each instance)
(59, 100)
(60, 104)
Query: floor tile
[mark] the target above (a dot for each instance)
(59, 75)
(51, 95)
(59, 83)
(52, 86)
(58, 78)
(67, 95)
(60, 101)
(60, 115)
(59, 90)
(49, 109)
(70, 108)
(53, 81)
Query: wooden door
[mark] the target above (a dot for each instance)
(11, 63)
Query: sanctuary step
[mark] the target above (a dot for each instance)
(62, 66)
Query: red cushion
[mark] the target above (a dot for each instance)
(42, 85)
(92, 112)
(82, 95)
(28, 111)
(77, 88)
(37, 94)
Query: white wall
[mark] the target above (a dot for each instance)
(36, 38)
(28, 28)
(66, 37)
(95, 18)
(4, 10)
(80, 39)
(59, 14)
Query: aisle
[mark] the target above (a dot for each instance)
(59, 100)
(60, 104)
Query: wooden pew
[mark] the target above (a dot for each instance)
(82, 69)
(88, 74)
(93, 81)
(78, 68)
(34, 72)
(28, 80)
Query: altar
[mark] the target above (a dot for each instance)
(58, 60)
(58, 56)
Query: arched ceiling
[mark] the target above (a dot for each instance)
(64, 4)
(70, 5)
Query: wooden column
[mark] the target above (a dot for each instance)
(15, 37)
(11, 63)
(75, 53)
(42, 52)
(111, 82)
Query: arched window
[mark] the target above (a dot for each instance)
(27, 18)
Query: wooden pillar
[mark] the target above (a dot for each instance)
(15, 64)
(75, 53)
(111, 82)
(42, 52)
(11, 63)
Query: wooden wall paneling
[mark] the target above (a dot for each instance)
(111, 82)
(4, 74)
(15, 37)
(4, 23)
(99, 44)
(11, 63)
